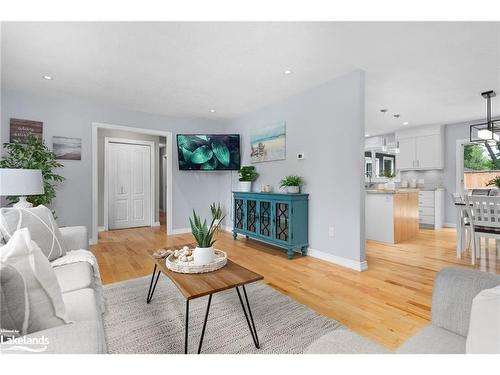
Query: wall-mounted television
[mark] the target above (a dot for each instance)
(208, 152)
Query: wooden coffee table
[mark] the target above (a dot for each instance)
(194, 286)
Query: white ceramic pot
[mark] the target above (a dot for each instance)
(246, 186)
(293, 189)
(203, 255)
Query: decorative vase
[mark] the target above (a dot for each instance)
(293, 189)
(246, 186)
(203, 255)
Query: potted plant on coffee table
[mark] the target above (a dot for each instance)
(292, 184)
(204, 235)
(247, 176)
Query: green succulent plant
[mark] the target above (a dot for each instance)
(292, 180)
(202, 232)
(248, 173)
(34, 154)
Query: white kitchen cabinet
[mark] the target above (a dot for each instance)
(431, 208)
(421, 148)
(406, 157)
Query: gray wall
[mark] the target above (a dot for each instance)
(327, 124)
(69, 116)
(103, 133)
(453, 132)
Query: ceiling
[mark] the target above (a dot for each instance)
(429, 73)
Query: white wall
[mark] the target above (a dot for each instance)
(64, 115)
(327, 124)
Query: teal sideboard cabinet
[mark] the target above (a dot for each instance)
(278, 219)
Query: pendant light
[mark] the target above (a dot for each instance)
(488, 131)
(384, 145)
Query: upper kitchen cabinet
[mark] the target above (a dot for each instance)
(421, 148)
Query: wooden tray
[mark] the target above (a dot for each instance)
(175, 265)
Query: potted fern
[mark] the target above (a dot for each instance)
(204, 235)
(247, 176)
(292, 184)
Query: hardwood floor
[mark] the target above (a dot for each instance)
(388, 303)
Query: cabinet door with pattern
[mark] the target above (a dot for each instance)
(265, 219)
(239, 213)
(282, 224)
(252, 218)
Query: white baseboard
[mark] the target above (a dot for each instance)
(180, 231)
(101, 229)
(156, 224)
(341, 261)
(449, 225)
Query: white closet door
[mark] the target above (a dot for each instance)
(129, 185)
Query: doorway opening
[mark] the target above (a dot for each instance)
(131, 178)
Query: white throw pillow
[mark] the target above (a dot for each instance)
(41, 224)
(46, 306)
(484, 326)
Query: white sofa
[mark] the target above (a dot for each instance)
(85, 335)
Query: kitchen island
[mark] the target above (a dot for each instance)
(391, 216)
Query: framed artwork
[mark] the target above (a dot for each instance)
(21, 129)
(67, 148)
(269, 143)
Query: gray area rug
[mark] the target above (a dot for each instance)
(132, 326)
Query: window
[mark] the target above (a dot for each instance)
(481, 164)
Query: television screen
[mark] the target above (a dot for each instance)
(208, 152)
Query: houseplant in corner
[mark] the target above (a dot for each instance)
(247, 176)
(34, 154)
(292, 184)
(204, 234)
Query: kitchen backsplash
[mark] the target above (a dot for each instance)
(432, 179)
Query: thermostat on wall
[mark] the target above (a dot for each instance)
(300, 156)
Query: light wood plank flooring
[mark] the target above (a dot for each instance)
(388, 303)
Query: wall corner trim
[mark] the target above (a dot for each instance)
(341, 261)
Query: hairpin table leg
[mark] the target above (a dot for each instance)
(151, 286)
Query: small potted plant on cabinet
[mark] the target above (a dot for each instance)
(247, 176)
(292, 184)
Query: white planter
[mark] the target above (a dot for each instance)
(245, 186)
(203, 255)
(293, 189)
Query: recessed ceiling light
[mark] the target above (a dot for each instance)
(47, 77)
(213, 111)
(367, 135)
(405, 123)
(287, 72)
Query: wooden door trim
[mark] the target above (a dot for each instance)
(151, 144)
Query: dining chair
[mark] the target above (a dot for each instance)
(464, 234)
(484, 217)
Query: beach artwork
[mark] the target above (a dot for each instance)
(269, 143)
(67, 148)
